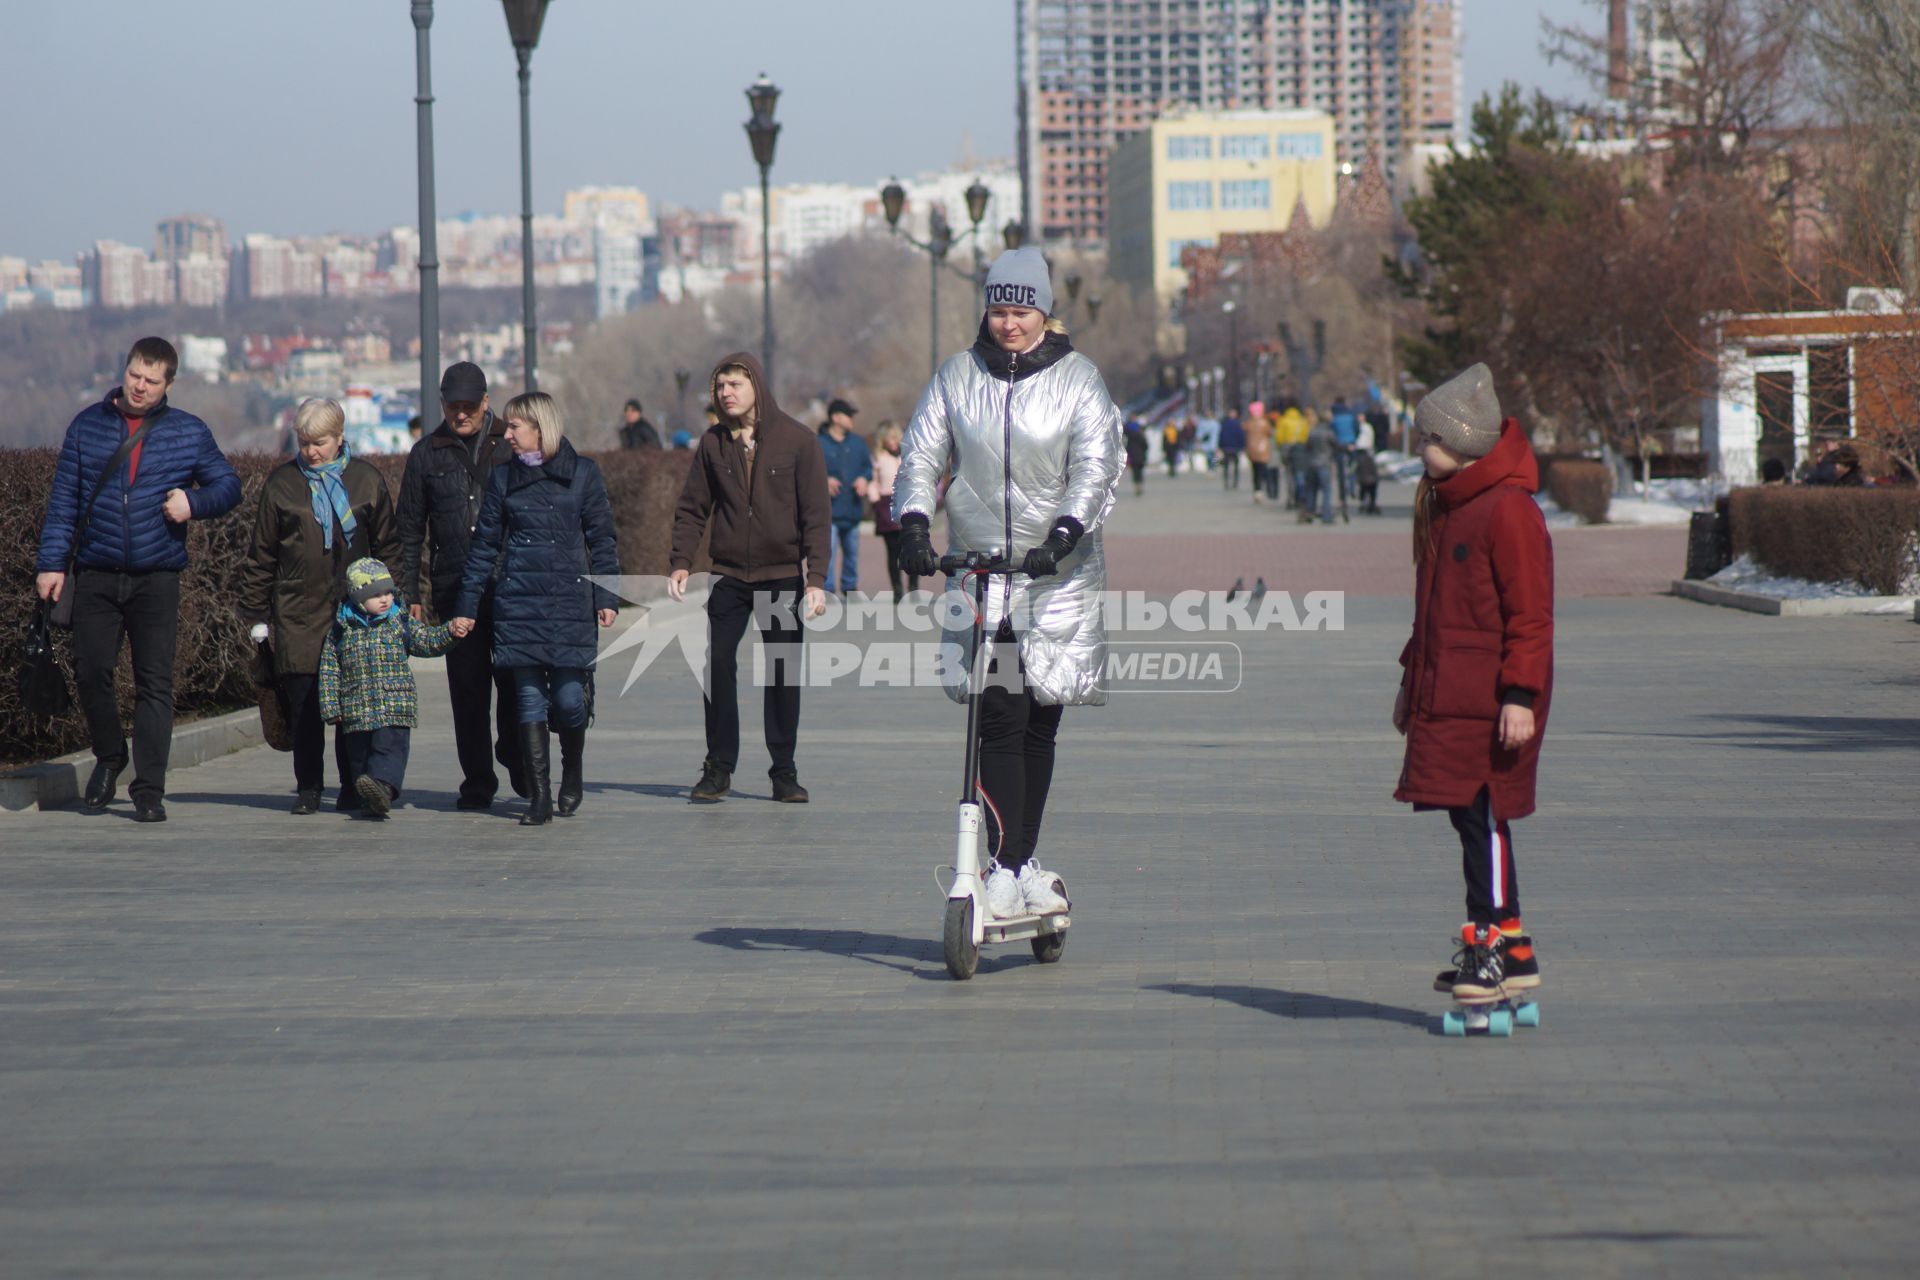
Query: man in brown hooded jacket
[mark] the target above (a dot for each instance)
(759, 483)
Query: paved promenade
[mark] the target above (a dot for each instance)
(657, 1040)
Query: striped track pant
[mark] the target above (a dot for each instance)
(1486, 856)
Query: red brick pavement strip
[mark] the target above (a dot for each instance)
(1625, 561)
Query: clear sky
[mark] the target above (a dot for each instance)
(297, 116)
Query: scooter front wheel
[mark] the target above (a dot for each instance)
(1048, 946)
(962, 952)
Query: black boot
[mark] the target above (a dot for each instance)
(573, 744)
(533, 759)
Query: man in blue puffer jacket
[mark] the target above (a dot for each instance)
(130, 550)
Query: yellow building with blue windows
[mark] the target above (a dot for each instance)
(1186, 180)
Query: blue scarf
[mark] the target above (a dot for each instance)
(329, 494)
(352, 615)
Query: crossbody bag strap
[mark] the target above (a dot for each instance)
(124, 452)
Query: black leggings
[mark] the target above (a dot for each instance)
(892, 538)
(1486, 856)
(1016, 768)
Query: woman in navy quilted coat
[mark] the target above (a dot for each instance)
(545, 531)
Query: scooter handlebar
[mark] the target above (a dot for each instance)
(987, 562)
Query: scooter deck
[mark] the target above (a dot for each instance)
(1014, 928)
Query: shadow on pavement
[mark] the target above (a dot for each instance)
(275, 801)
(1642, 1237)
(1300, 1004)
(642, 788)
(918, 956)
(1828, 733)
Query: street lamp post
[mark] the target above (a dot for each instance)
(762, 132)
(977, 197)
(680, 379)
(429, 262)
(893, 199)
(523, 24)
(1233, 349)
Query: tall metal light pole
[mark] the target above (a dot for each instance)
(1233, 352)
(429, 263)
(762, 132)
(523, 24)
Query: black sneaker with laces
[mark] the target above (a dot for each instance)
(1517, 957)
(1482, 973)
(713, 786)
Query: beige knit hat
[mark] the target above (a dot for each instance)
(1462, 413)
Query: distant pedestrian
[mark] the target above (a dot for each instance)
(886, 467)
(1289, 434)
(1136, 441)
(365, 684)
(635, 431)
(1321, 449)
(1259, 452)
(1232, 443)
(758, 487)
(440, 496)
(1478, 678)
(849, 472)
(319, 512)
(1170, 447)
(1366, 472)
(1345, 421)
(132, 471)
(547, 527)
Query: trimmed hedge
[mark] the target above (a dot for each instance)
(211, 664)
(1579, 485)
(1824, 534)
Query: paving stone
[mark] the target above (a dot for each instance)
(665, 1040)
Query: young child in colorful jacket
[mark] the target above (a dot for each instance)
(1479, 669)
(366, 684)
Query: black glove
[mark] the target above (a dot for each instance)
(916, 547)
(1044, 560)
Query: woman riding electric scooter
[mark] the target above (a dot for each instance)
(1034, 443)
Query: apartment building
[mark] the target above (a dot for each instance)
(1091, 73)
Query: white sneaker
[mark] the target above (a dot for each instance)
(1041, 890)
(1004, 898)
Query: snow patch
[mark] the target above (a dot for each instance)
(1744, 575)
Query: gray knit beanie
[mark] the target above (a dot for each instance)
(1018, 278)
(1462, 413)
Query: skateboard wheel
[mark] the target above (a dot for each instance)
(1527, 1015)
(1452, 1023)
(1500, 1022)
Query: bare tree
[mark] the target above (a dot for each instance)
(1735, 75)
(1869, 52)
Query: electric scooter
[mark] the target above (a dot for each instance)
(968, 923)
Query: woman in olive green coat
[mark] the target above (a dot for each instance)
(319, 512)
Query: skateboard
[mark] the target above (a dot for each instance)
(1496, 1015)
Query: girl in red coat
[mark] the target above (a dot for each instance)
(1479, 668)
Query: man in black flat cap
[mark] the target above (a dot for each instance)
(440, 495)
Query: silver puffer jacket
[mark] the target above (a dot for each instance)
(1024, 453)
